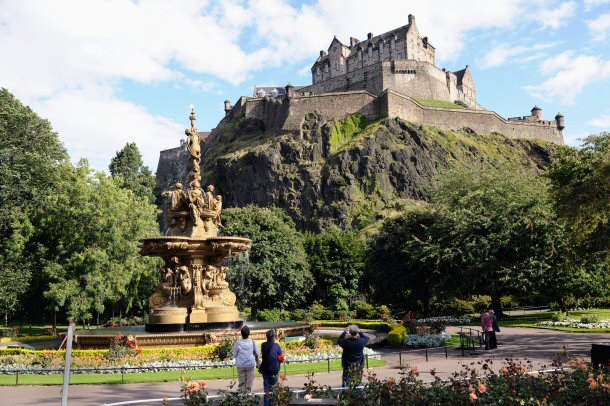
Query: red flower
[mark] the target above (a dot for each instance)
(120, 336)
(281, 357)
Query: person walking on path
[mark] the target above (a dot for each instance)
(488, 331)
(247, 355)
(272, 357)
(352, 359)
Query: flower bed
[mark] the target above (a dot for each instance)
(426, 340)
(575, 324)
(446, 320)
(153, 360)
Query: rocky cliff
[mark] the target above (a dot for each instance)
(349, 173)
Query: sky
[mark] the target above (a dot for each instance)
(106, 73)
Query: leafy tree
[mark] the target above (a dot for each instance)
(30, 152)
(580, 186)
(337, 263)
(127, 163)
(277, 274)
(85, 244)
(495, 229)
(400, 271)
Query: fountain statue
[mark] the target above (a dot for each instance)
(194, 293)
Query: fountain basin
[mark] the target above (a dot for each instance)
(100, 338)
(215, 247)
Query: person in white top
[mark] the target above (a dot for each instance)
(247, 355)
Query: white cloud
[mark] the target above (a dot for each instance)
(94, 125)
(594, 3)
(500, 54)
(569, 75)
(551, 16)
(603, 121)
(600, 27)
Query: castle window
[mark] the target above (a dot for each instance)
(318, 70)
(399, 56)
(370, 50)
(393, 43)
(359, 54)
(347, 83)
(381, 47)
(326, 68)
(336, 64)
(366, 75)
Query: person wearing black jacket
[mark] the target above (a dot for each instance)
(352, 359)
(270, 367)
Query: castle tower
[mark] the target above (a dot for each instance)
(537, 113)
(560, 122)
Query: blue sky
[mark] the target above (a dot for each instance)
(110, 72)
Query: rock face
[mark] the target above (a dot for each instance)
(348, 173)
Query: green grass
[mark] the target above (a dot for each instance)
(438, 103)
(168, 376)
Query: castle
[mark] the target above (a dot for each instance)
(389, 75)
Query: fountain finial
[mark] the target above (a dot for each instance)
(192, 117)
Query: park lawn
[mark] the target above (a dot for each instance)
(168, 376)
(454, 341)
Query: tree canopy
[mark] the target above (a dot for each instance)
(127, 164)
(277, 275)
(336, 260)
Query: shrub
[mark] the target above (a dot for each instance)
(301, 315)
(559, 317)
(312, 341)
(367, 325)
(121, 347)
(273, 315)
(10, 332)
(589, 319)
(224, 349)
(396, 336)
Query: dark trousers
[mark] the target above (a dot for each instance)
(352, 372)
(490, 340)
(269, 382)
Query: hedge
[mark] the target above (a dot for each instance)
(397, 334)
(367, 325)
(205, 351)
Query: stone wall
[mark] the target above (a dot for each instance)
(394, 104)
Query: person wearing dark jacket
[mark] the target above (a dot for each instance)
(352, 359)
(270, 366)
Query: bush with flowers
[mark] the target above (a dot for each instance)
(583, 324)
(122, 347)
(513, 383)
(194, 392)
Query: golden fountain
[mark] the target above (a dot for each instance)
(194, 293)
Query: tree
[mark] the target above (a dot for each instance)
(85, 244)
(127, 164)
(278, 274)
(400, 271)
(30, 152)
(495, 230)
(580, 186)
(336, 261)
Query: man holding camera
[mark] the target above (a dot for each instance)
(352, 359)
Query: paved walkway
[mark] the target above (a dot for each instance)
(539, 346)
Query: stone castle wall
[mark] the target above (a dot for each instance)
(394, 104)
(287, 114)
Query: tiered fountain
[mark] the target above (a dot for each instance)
(194, 293)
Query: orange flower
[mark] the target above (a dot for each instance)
(473, 396)
(471, 390)
(593, 384)
(283, 377)
(504, 370)
(165, 398)
(307, 397)
(482, 388)
(202, 383)
(525, 370)
(120, 336)
(600, 377)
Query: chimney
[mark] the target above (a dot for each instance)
(321, 54)
(370, 35)
(353, 41)
(411, 19)
(425, 39)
